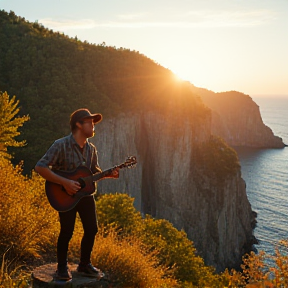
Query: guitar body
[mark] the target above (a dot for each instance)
(59, 199)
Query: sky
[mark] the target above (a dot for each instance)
(220, 45)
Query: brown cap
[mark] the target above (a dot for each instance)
(81, 114)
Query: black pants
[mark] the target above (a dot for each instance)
(87, 212)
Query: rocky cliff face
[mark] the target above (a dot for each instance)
(237, 119)
(171, 181)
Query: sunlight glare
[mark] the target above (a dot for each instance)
(181, 74)
(177, 78)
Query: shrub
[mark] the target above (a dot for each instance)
(178, 252)
(257, 273)
(117, 210)
(27, 223)
(128, 264)
(174, 250)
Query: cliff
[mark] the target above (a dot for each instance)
(237, 119)
(183, 175)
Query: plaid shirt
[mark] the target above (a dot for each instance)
(65, 154)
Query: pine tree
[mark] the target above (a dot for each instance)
(9, 123)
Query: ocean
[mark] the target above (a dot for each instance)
(265, 172)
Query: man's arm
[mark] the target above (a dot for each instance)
(70, 186)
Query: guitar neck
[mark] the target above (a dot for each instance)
(103, 174)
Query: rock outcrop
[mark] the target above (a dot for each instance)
(172, 180)
(237, 119)
(44, 276)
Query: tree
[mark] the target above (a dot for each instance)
(9, 123)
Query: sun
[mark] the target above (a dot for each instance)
(176, 77)
(181, 74)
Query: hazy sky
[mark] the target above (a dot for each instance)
(220, 45)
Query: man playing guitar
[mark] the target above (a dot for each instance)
(66, 154)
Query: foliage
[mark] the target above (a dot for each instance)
(257, 273)
(280, 271)
(117, 211)
(177, 251)
(27, 224)
(174, 250)
(217, 158)
(26, 221)
(128, 264)
(21, 209)
(155, 257)
(9, 123)
(178, 254)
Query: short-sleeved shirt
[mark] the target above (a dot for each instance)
(66, 155)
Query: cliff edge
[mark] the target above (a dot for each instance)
(237, 119)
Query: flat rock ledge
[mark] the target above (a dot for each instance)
(43, 276)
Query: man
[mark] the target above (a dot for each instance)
(67, 154)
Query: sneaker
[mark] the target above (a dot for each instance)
(63, 274)
(90, 271)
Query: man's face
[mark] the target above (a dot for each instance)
(87, 127)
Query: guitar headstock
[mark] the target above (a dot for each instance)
(130, 162)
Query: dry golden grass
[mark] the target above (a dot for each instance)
(27, 223)
(125, 261)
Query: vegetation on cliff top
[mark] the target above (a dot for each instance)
(217, 159)
(53, 75)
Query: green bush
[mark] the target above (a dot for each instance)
(174, 250)
(117, 210)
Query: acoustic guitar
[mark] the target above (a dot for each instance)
(61, 201)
